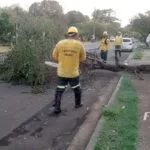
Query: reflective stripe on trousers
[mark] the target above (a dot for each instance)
(61, 87)
(76, 86)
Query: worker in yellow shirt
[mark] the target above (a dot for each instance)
(104, 46)
(68, 53)
(118, 44)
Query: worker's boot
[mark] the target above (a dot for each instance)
(57, 103)
(78, 93)
(120, 53)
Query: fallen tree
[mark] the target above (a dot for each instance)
(98, 64)
(92, 62)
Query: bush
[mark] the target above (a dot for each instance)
(25, 63)
(6, 29)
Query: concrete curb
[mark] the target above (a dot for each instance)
(84, 133)
(144, 65)
(129, 58)
(92, 141)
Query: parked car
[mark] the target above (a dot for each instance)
(112, 39)
(148, 41)
(128, 44)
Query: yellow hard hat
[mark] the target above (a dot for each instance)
(105, 33)
(73, 29)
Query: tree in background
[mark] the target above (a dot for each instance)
(107, 20)
(6, 28)
(105, 15)
(76, 17)
(128, 31)
(86, 29)
(141, 24)
(48, 9)
(52, 11)
(101, 20)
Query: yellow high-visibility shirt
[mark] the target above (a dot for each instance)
(69, 53)
(118, 40)
(104, 44)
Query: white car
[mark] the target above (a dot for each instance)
(128, 44)
(112, 39)
(148, 40)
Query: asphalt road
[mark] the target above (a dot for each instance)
(43, 131)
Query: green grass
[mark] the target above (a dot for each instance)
(138, 54)
(121, 120)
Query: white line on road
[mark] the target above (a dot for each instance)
(146, 115)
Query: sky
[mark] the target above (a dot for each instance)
(125, 9)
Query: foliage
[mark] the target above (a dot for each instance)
(86, 29)
(107, 20)
(105, 15)
(141, 24)
(76, 17)
(138, 54)
(102, 20)
(6, 28)
(25, 63)
(47, 8)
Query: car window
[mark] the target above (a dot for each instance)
(126, 40)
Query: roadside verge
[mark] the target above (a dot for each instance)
(84, 133)
(118, 128)
(91, 143)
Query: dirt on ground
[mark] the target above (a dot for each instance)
(143, 91)
(45, 132)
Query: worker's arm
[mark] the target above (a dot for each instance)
(55, 53)
(82, 53)
(100, 44)
(108, 43)
(115, 40)
(121, 40)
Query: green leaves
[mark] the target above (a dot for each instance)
(25, 63)
(141, 23)
(6, 28)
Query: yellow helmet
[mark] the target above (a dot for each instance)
(73, 29)
(105, 33)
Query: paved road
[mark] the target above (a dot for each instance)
(111, 59)
(44, 131)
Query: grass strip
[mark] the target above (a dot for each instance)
(121, 120)
(138, 54)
